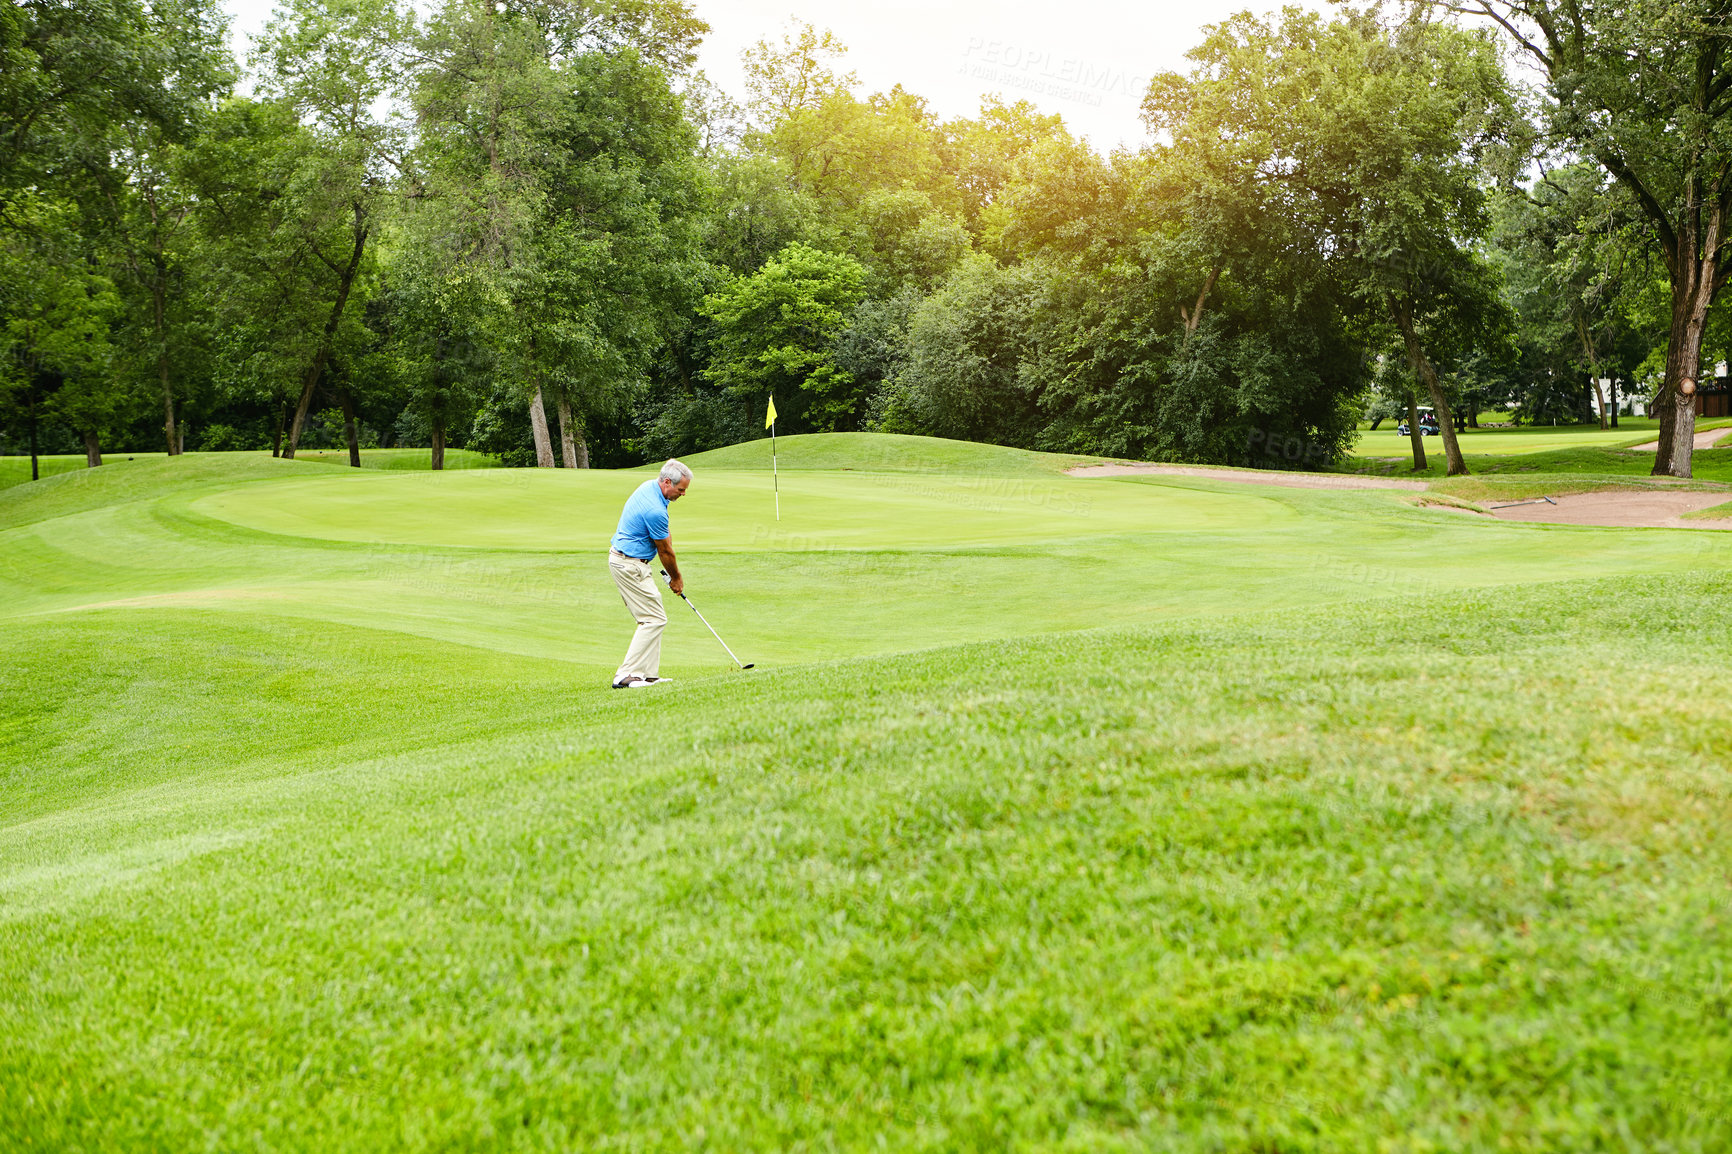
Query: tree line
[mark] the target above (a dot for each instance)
(533, 229)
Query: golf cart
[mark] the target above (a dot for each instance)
(1427, 424)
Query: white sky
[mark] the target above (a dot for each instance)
(1088, 60)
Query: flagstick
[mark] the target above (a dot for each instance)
(775, 475)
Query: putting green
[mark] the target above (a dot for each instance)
(576, 511)
(862, 561)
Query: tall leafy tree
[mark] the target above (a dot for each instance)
(130, 174)
(59, 313)
(93, 95)
(981, 153)
(559, 192)
(1375, 133)
(1644, 88)
(775, 333)
(795, 75)
(333, 63)
(1576, 275)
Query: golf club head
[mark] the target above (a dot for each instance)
(707, 625)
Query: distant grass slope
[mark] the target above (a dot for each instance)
(1518, 440)
(861, 562)
(16, 470)
(884, 453)
(411, 459)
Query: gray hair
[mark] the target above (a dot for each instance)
(673, 471)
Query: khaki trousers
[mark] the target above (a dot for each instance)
(643, 598)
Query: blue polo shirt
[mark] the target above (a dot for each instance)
(643, 520)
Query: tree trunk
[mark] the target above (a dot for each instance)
(1416, 357)
(1375, 421)
(1195, 317)
(438, 441)
(345, 281)
(1591, 355)
(1614, 381)
(158, 305)
(1414, 436)
(538, 425)
(349, 431)
(571, 441)
(1691, 296)
(92, 450)
(35, 471)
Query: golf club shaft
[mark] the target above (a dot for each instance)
(702, 618)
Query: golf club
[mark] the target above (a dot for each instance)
(707, 625)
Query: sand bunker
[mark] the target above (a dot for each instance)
(1622, 509)
(1251, 476)
(1618, 509)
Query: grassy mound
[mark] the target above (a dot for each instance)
(885, 453)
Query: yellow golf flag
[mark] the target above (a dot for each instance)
(770, 417)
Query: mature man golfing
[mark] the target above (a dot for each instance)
(642, 536)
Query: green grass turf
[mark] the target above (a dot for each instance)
(399, 458)
(1384, 441)
(16, 470)
(1223, 820)
(1584, 452)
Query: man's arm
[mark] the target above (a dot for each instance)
(665, 550)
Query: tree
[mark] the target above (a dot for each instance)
(93, 94)
(792, 77)
(1377, 134)
(59, 312)
(263, 292)
(972, 351)
(1645, 90)
(775, 333)
(333, 63)
(1575, 275)
(982, 153)
(756, 209)
(559, 195)
(131, 169)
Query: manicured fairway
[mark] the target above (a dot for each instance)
(398, 459)
(1135, 813)
(1578, 450)
(1384, 441)
(16, 470)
